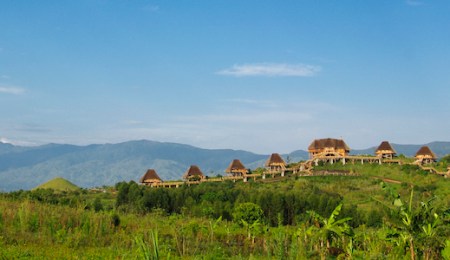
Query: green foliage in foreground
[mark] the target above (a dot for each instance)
(388, 212)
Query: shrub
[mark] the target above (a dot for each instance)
(248, 212)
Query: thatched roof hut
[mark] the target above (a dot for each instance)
(425, 155)
(236, 168)
(193, 172)
(328, 147)
(385, 150)
(150, 177)
(275, 162)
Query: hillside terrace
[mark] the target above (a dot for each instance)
(321, 151)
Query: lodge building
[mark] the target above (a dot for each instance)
(193, 173)
(150, 178)
(275, 163)
(425, 156)
(328, 147)
(236, 168)
(385, 150)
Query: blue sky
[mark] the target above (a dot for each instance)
(263, 76)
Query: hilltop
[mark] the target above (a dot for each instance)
(58, 184)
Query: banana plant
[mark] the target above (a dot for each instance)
(418, 228)
(328, 228)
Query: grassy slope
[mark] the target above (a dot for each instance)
(59, 184)
(363, 190)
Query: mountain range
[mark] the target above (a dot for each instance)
(106, 164)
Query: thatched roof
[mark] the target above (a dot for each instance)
(425, 151)
(194, 170)
(150, 176)
(328, 143)
(275, 159)
(235, 165)
(385, 146)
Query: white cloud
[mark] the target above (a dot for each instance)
(12, 90)
(4, 140)
(16, 142)
(271, 70)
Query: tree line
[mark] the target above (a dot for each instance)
(216, 200)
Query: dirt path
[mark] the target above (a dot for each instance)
(387, 180)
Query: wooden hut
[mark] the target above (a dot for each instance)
(275, 163)
(385, 150)
(193, 173)
(328, 147)
(150, 178)
(425, 155)
(236, 168)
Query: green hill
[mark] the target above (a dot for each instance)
(59, 184)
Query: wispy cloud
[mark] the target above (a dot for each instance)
(151, 8)
(32, 128)
(413, 2)
(133, 122)
(252, 102)
(4, 140)
(12, 90)
(17, 142)
(271, 70)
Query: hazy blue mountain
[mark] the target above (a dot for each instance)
(107, 164)
(439, 148)
(295, 156)
(8, 148)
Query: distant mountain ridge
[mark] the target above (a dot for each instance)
(439, 148)
(107, 164)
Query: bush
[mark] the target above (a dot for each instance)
(248, 212)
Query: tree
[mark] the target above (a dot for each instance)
(248, 212)
(122, 194)
(445, 159)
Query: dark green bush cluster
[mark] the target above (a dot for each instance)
(219, 200)
(83, 198)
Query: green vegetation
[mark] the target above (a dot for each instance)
(58, 184)
(382, 212)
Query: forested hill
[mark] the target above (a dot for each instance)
(107, 164)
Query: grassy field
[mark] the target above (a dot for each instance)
(292, 218)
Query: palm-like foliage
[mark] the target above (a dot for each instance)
(418, 228)
(327, 229)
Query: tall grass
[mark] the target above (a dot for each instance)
(32, 229)
(144, 250)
